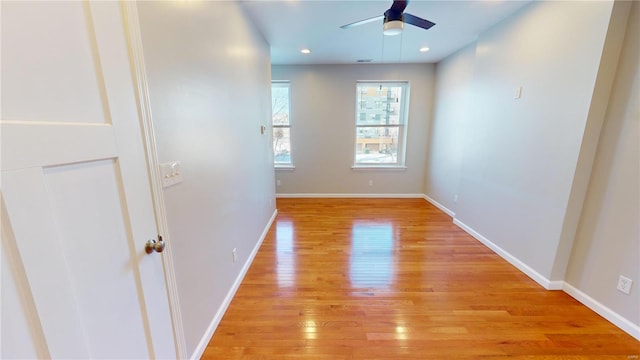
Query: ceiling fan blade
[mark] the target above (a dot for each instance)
(399, 5)
(362, 22)
(417, 21)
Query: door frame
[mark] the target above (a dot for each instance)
(139, 74)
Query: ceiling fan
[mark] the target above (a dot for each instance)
(394, 19)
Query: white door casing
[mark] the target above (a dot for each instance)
(76, 199)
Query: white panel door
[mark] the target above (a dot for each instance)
(75, 191)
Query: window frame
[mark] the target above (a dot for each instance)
(402, 125)
(289, 165)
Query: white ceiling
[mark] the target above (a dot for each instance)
(291, 25)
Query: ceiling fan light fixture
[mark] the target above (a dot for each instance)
(393, 27)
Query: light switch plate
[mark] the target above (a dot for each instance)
(171, 173)
(518, 93)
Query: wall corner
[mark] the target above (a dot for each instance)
(597, 110)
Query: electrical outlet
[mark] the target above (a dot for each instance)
(235, 255)
(455, 198)
(278, 183)
(370, 182)
(624, 284)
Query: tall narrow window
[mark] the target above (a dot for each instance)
(281, 123)
(381, 121)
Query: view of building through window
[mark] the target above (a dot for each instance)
(380, 122)
(280, 100)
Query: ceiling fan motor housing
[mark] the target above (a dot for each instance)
(393, 22)
(392, 15)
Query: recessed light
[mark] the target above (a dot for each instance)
(305, 51)
(424, 49)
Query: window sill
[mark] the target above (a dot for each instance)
(379, 167)
(285, 167)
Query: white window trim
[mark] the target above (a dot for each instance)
(400, 165)
(379, 167)
(284, 166)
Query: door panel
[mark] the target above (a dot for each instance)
(75, 187)
(21, 332)
(53, 43)
(41, 255)
(86, 200)
(43, 144)
(17, 341)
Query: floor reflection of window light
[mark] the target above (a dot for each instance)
(284, 254)
(371, 263)
(401, 333)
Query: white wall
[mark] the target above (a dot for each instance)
(452, 96)
(526, 163)
(608, 239)
(520, 156)
(209, 78)
(323, 136)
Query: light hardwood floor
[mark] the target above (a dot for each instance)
(395, 279)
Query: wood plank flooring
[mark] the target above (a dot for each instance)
(395, 279)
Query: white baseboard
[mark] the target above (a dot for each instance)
(615, 318)
(202, 345)
(440, 206)
(364, 196)
(543, 281)
(555, 285)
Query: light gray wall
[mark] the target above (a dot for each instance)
(520, 156)
(452, 97)
(593, 127)
(608, 239)
(323, 132)
(526, 163)
(210, 93)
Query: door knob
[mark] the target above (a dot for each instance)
(154, 245)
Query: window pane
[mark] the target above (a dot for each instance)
(282, 146)
(377, 145)
(280, 104)
(379, 104)
(280, 107)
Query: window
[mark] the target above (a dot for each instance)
(281, 123)
(381, 124)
